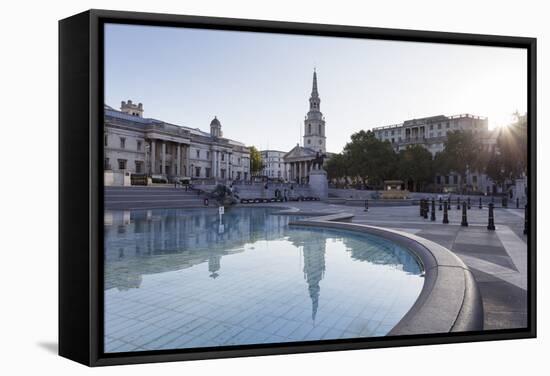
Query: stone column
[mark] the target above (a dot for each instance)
(153, 155)
(214, 156)
(227, 172)
(163, 167)
(178, 162)
(188, 167)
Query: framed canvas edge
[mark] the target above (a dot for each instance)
(95, 208)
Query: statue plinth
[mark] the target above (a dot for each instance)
(318, 183)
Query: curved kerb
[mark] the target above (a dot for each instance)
(449, 301)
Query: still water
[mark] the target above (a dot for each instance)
(181, 278)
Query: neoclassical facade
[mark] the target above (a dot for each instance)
(168, 152)
(431, 133)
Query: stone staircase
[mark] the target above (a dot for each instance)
(151, 197)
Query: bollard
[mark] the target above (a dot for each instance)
(458, 203)
(366, 205)
(432, 217)
(445, 213)
(440, 203)
(517, 202)
(480, 206)
(525, 223)
(469, 205)
(426, 209)
(505, 202)
(491, 225)
(464, 215)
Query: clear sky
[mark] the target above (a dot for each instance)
(258, 84)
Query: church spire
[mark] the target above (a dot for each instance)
(314, 92)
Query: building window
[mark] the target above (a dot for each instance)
(474, 179)
(122, 143)
(309, 128)
(106, 139)
(139, 145)
(122, 164)
(438, 179)
(197, 172)
(431, 127)
(309, 141)
(320, 142)
(198, 155)
(207, 172)
(139, 167)
(446, 179)
(223, 157)
(447, 125)
(207, 155)
(439, 126)
(107, 166)
(455, 179)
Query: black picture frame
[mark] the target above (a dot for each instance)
(81, 181)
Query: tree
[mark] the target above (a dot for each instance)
(463, 152)
(496, 169)
(416, 165)
(337, 166)
(370, 159)
(256, 162)
(512, 145)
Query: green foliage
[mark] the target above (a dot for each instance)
(366, 158)
(256, 163)
(416, 164)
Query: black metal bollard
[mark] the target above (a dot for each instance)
(517, 202)
(526, 223)
(426, 208)
(469, 205)
(445, 213)
(480, 206)
(458, 203)
(432, 217)
(505, 202)
(464, 215)
(440, 203)
(366, 205)
(491, 225)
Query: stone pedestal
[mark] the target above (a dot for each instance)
(318, 184)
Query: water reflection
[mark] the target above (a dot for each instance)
(139, 243)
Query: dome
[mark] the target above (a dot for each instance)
(215, 122)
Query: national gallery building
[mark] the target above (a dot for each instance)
(134, 145)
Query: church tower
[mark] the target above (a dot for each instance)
(314, 124)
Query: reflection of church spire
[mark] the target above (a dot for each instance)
(214, 265)
(314, 270)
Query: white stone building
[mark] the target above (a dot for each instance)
(134, 145)
(274, 164)
(431, 133)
